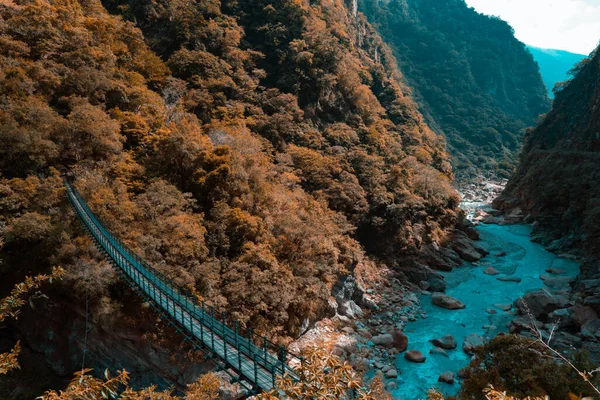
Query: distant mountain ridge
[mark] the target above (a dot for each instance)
(554, 65)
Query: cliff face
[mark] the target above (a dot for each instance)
(558, 180)
(474, 81)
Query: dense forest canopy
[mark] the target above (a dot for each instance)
(255, 151)
(474, 81)
(557, 180)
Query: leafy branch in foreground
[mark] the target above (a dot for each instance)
(85, 386)
(325, 376)
(585, 375)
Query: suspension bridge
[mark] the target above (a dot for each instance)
(250, 359)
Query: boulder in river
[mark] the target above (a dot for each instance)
(437, 283)
(447, 377)
(391, 374)
(503, 307)
(490, 271)
(414, 356)
(502, 254)
(438, 351)
(445, 301)
(466, 248)
(445, 342)
(540, 303)
(472, 342)
(400, 340)
(385, 340)
(559, 282)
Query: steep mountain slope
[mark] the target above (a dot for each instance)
(554, 65)
(474, 81)
(558, 180)
(255, 152)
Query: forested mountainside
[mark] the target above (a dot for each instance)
(558, 180)
(254, 151)
(474, 81)
(554, 65)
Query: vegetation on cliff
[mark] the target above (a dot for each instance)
(474, 81)
(255, 151)
(558, 179)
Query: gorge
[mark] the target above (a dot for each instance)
(293, 163)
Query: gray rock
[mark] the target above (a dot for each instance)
(391, 386)
(400, 340)
(540, 303)
(437, 283)
(350, 309)
(559, 283)
(347, 330)
(490, 271)
(591, 329)
(589, 285)
(503, 307)
(414, 356)
(561, 316)
(472, 342)
(442, 300)
(446, 342)
(438, 351)
(582, 314)
(385, 340)
(523, 323)
(391, 374)
(447, 377)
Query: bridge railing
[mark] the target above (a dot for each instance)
(135, 267)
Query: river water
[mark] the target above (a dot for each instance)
(479, 292)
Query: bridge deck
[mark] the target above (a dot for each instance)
(250, 362)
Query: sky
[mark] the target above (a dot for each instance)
(572, 25)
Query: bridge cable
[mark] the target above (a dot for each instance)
(87, 315)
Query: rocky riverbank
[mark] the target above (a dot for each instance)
(415, 336)
(368, 327)
(569, 306)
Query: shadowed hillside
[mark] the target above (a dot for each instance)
(474, 81)
(558, 181)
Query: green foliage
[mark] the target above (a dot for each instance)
(522, 367)
(475, 82)
(557, 179)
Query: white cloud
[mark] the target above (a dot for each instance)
(572, 25)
